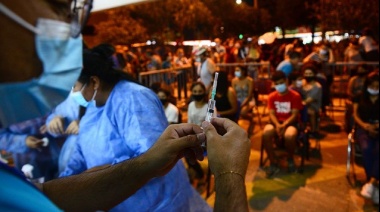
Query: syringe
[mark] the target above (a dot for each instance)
(211, 102)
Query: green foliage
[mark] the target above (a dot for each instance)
(165, 20)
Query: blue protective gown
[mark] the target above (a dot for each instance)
(125, 127)
(69, 110)
(12, 140)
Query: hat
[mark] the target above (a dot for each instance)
(199, 50)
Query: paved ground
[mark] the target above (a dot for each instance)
(322, 187)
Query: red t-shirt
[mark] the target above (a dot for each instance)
(284, 104)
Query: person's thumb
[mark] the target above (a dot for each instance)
(208, 129)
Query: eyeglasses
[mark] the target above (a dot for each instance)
(80, 11)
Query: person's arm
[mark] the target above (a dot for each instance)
(228, 150)
(233, 102)
(292, 118)
(331, 56)
(105, 187)
(250, 93)
(372, 129)
(350, 86)
(13, 143)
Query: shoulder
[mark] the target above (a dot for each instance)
(294, 94)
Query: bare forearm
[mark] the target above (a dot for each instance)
(98, 190)
(230, 193)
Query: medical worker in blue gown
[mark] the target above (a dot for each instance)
(63, 122)
(123, 120)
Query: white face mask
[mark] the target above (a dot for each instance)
(299, 83)
(61, 56)
(373, 91)
(198, 59)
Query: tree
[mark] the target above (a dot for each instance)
(120, 28)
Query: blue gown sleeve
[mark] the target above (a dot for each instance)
(68, 109)
(76, 164)
(12, 142)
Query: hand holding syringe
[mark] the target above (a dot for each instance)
(211, 102)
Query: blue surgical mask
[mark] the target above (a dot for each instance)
(61, 56)
(281, 88)
(79, 98)
(373, 91)
(237, 74)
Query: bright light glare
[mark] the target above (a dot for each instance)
(238, 1)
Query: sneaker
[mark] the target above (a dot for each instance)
(271, 170)
(375, 196)
(367, 191)
(291, 166)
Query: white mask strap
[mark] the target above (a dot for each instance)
(17, 19)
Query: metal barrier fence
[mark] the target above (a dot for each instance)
(340, 72)
(255, 70)
(176, 78)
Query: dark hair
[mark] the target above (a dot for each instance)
(98, 62)
(243, 70)
(165, 91)
(294, 54)
(203, 87)
(223, 83)
(309, 66)
(293, 76)
(278, 75)
(200, 84)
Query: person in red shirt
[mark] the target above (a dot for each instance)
(284, 105)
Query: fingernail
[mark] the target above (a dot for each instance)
(201, 137)
(205, 124)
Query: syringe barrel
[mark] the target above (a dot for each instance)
(210, 109)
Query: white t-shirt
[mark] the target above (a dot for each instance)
(368, 43)
(197, 115)
(171, 113)
(206, 71)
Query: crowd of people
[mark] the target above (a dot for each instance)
(119, 143)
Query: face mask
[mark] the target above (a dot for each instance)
(199, 97)
(373, 91)
(79, 98)
(198, 59)
(299, 83)
(281, 88)
(163, 101)
(61, 56)
(322, 52)
(309, 79)
(237, 74)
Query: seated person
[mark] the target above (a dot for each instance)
(354, 88)
(284, 105)
(295, 83)
(366, 115)
(313, 96)
(356, 83)
(171, 111)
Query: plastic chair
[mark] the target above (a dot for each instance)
(263, 87)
